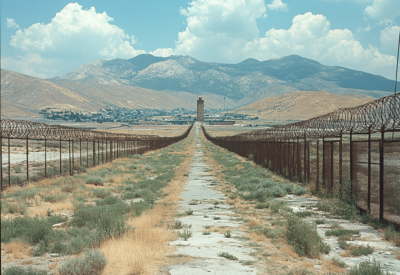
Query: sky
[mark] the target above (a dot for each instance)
(47, 38)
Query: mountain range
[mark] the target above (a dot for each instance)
(150, 82)
(235, 81)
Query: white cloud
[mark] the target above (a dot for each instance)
(389, 40)
(12, 24)
(383, 9)
(218, 29)
(310, 36)
(31, 64)
(277, 5)
(74, 36)
(163, 52)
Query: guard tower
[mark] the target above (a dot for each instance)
(200, 109)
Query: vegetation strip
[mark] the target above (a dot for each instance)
(261, 189)
(106, 203)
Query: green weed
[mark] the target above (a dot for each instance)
(92, 263)
(228, 256)
(304, 237)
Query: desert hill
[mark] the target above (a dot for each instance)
(300, 105)
(24, 95)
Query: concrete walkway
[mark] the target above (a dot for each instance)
(209, 212)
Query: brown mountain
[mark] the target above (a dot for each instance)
(24, 95)
(300, 105)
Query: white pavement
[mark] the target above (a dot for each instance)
(204, 249)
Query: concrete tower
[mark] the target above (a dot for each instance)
(200, 109)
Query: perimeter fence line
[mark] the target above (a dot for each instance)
(41, 150)
(360, 145)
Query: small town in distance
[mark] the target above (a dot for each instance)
(179, 116)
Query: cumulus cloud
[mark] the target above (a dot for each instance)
(163, 52)
(11, 24)
(31, 64)
(278, 5)
(389, 40)
(383, 9)
(310, 36)
(218, 29)
(75, 34)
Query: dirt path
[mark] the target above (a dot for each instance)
(209, 225)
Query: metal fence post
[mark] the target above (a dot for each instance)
(60, 157)
(9, 163)
(27, 160)
(381, 174)
(369, 172)
(45, 158)
(317, 182)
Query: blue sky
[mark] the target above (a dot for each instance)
(47, 38)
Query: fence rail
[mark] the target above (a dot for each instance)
(361, 144)
(49, 150)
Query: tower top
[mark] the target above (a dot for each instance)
(200, 98)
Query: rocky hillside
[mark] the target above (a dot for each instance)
(300, 105)
(236, 81)
(24, 95)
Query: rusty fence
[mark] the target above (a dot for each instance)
(360, 145)
(31, 151)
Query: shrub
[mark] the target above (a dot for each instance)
(304, 214)
(91, 264)
(227, 234)
(305, 237)
(261, 205)
(318, 221)
(108, 201)
(68, 188)
(136, 156)
(299, 190)
(101, 193)
(95, 180)
(15, 270)
(58, 247)
(338, 262)
(227, 256)
(343, 244)
(17, 180)
(269, 232)
(361, 250)
(392, 235)
(17, 169)
(189, 212)
(343, 234)
(41, 249)
(367, 268)
(129, 196)
(186, 234)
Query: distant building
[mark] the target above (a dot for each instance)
(200, 109)
(222, 122)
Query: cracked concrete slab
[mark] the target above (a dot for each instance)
(205, 249)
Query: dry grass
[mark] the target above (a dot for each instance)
(137, 252)
(254, 222)
(147, 247)
(27, 262)
(330, 267)
(52, 266)
(18, 250)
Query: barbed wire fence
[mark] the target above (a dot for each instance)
(360, 145)
(41, 150)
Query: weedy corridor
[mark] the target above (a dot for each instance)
(292, 239)
(112, 219)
